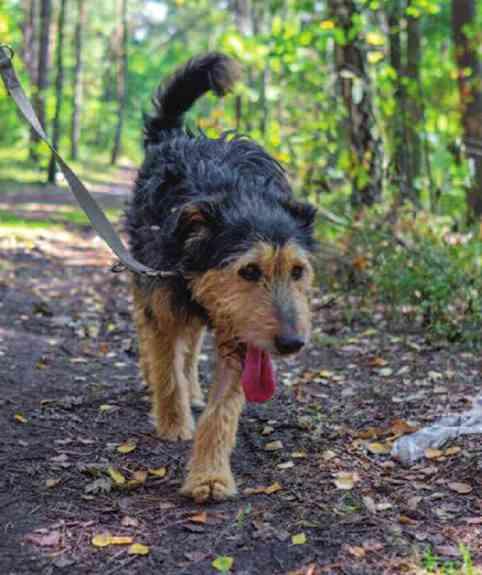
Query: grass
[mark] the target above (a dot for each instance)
(435, 565)
(15, 166)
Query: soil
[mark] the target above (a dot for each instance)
(329, 500)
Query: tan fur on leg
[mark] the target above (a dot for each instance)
(195, 337)
(162, 346)
(210, 473)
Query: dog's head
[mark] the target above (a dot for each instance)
(248, 261)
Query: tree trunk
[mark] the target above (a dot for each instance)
(121, 85)
(42, 67)
(242, 18)
(59, 87)
(399, 164)
(366, 160)
(79, 63)
(414, 113)
(470, 92)
(29, 48)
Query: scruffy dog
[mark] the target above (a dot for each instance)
(221, 215)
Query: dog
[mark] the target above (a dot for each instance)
(220, 214)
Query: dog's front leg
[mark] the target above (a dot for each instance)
(209, 470)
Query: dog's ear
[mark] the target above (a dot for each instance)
(303, 213)
(196, 221)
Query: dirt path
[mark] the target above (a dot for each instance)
(70, 395)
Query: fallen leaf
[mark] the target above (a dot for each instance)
(433, 453)
(298, 455)
(273, 445)
(267, 429)
(20, 418)
(52, 483)
(121, 540)
(138, 549)
(116, 476)
(138, 478)
(128, 521)
(298, 539)
(286, 465)
(379, 448)
(345, 480)
(105, 407)
(356, 551)
(223, 563)
(127, 446)
(158, 472)
(273, 488)
(385, 371)
(377, 362)
(325, 374)
(459, 487)
(452, 450)
(101, 540)
(199, 517)
(327, 455)
(44, 540)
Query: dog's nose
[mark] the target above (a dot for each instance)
(288, 343)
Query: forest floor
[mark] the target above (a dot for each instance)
(318, 491)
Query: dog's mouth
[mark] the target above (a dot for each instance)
(258, 377)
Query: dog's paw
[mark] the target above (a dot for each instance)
(213, 485)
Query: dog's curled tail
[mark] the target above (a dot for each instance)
(213, 71)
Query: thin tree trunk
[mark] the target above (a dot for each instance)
(29, 55)
(399, 154)
(365, 144)
(242, 18)
(78, 70)
(59, 88)
(42, 67)
(414, 113)
(470, 92)
(121, 85)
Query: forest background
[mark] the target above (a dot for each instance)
(374, 108)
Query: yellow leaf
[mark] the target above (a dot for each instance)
(127, 446)
(158, 472)
(20, 418)
(52, 482)
(327, 24)
(325, 374)
(298, 455)
(105, 407)
(378, 448)
(101, 540)
(116, 476)
(356, 551)
(273, 446)
(345, 480)
(273, 488)
(453, 450)
(223, 563)
(298, 539)
(138, 549)
(121, 540)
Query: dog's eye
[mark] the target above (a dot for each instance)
(251, 273)
(297, 272)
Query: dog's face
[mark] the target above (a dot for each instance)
(258, 292)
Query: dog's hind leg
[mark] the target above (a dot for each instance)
(209, 471)
(195, 337)
(162, 346)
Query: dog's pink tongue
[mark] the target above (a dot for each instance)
(258, 379)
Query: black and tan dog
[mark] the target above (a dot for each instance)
(220, 213)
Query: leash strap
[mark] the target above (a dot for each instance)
(96, 216)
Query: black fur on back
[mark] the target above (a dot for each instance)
(199, 202)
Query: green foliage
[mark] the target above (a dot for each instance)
(421, 271)
(434, 564)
